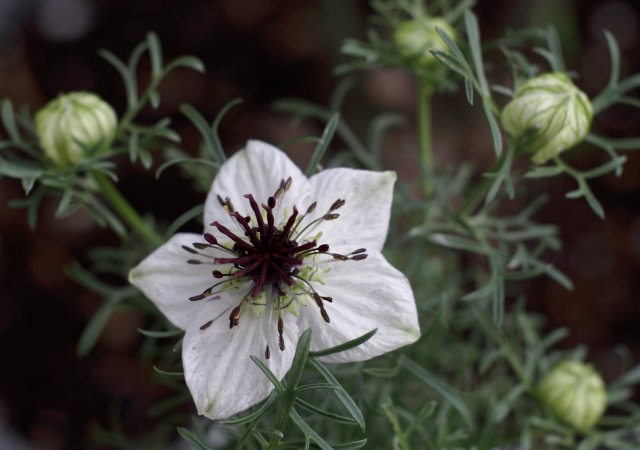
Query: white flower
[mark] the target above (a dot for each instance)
(281, 253)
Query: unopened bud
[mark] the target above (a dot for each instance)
(550, 112)
(73, 125)
(575, 393)
(415, 39)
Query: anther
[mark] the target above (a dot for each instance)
(311, 207)
(318, 299)
(267, 353)
(271, 201)
(337, 204)
(359, 257)
(234, 317)
(330, 216)
(206, 325)
(210, 238)
(217, 274)
(189, 249)
(194, 261)
(195, 298)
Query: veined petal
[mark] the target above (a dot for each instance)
(258, 170)
(366, 294)
(364, 219)
(219, 372)
(168, 280)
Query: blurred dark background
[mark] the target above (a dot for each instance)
(263, 50)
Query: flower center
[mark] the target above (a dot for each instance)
(268, 255)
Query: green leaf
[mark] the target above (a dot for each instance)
(556, 60)
(253, 416)
(9, 121)
(169, 374)
(323, 144)
(187, 61)
(593, 202)
(457, 243)
(614, 53)
(172, 162)
(346, 345)
(299, 360)
(629, 378)
(192, 439)
(94, 328)
(496, 134)
(160, 334)
(308, 431)
(544, 172)
(128, 79)
(321, 412)
(270, 375)
(340, 393)
(134, 148)
(473, 35)
(441, 388)
(353, 445)
(184, 218)
(155, 53)
(379, 126)
(203, 127)
(216, 125)
(24, 170)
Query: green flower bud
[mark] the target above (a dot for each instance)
(575, 393)
(416, 38)
(552, 112)
(74, 125)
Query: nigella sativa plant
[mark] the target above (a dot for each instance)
(280, 254)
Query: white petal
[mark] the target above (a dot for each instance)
(166, 279)
(364, 218)
(366, 294)
(257, 170)
(221, 376)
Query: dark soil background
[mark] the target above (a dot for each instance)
(263, 50)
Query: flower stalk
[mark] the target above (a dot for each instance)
(126, 211)
(425, 88)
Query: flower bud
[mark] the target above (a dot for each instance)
(73, 125)
(575, 393)
(416, 38)
(551, 112)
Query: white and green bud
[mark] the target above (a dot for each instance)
(575, 393)
(550, 112)
(416, 38)
(74, 125)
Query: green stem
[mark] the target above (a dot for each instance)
(126, 211)
(481, 189)
(425, 89)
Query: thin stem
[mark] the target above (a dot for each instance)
(425, 88)
(481, 189)
(126, 211)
